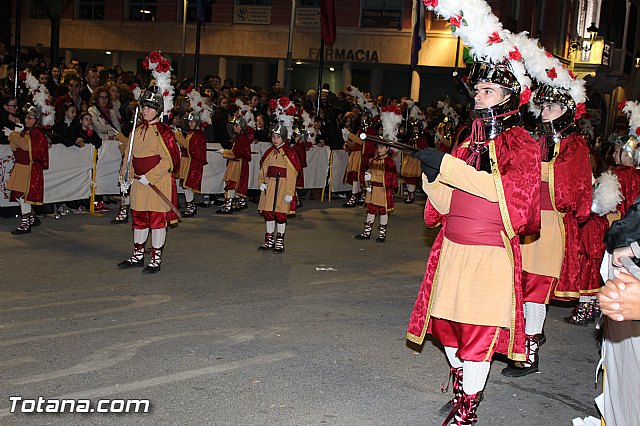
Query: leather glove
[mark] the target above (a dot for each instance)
(430, 157)
(288, 198)
(263, 187)
(430, 172)
(367, 176)
(143, 180)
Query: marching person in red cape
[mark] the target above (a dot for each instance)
(26, 182)
(485, 195)
(155, 157)
(193, 158)
(550, 259)
(279, 169)
(410, 169)
(238, 157)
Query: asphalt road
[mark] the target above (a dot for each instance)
(227, 335)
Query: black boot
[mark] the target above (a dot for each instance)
(190, 209)
(279, 243)
(580, 315)
(465, 412)
(382, 234)
(351, 202)
(240, 204)
(34, 220)
(366, 235)
(25, 225)
(226, 209)
(136, 260)
(410, 198)
(361, 197)
(156, 260)
(455, 376)
(524, 368)
(123, 216)
(268, 242)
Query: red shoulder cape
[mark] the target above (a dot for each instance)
(169, 139)
(39, 163)
(198, 154)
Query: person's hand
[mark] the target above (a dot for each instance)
(288, 198)
(345, 134)
(19, 127)
(263, 187)
(80, 142)
(143, 180)
(619, 252)
(124, 186)
(367, 176)
(221, 151)
(620, 297)
(7, 131)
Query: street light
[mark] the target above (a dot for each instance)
(582, 43)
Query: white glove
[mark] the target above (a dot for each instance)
(367, 176)
(288, 198)
(369, 189)
(221, 151)
(7, 131)
(143, 180)
(19, 127)
(345, 134)
(124, 186)
(263, 187)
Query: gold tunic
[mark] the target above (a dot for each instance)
(378, 194)
(355, 156)
(21, 173)
(147, 143)
(185, 162)
(543, 252)
(475, 282)
(286, 185)
(410, 166)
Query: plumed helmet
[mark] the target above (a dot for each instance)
(32, 110)
(628, 144)
(279, 128)
(151, 100)
(193, 116)
(239, 120)
(554, 95)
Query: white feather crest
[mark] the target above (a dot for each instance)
(284, 104)
(41, 99)
(246, 113)
(632, 109)
(307, 122)
(390, 122)
(606, 194)
(199, 106)
(163, 83)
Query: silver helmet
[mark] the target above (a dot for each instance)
(32, 110)
(193, 116)
(628, 144)
(554, 95)
(151, 100)
(239, 120)
(280, 129)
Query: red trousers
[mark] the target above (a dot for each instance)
(474, 342)
(144, 220)
(277, 216)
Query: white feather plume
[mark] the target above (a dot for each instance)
(246, 113)
(632, 109)
(606, 194)
(41, 99)
(199, 106)
(390, 122)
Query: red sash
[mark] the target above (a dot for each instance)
(142, 165)
(545, 196)
(473, 221)
(21, 156)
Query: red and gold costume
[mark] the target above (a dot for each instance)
(279, 169)
(238, 157)
(193, 158)
(156, 155)
(354, 171)
(300, 147)
(384, 182)
(629, 178)
(550, 258)
(31, 152)
(471, 294)
(410, 169)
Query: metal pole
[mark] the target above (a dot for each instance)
(17, 47)
(197, 58)
(288, 70)
(184, 26)
(320, 67)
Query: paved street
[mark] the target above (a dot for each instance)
(227, 335)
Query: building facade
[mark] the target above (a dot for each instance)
(247, 40)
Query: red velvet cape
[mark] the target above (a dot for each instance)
(629, 179)
(39, 163)
(242, 151)
(198, 155)
(169, 139)
(591, 248)
(572, 196)
(517, 175)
